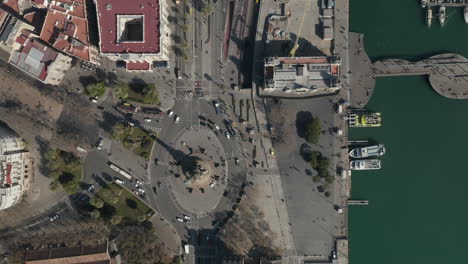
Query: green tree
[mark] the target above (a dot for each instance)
(121, 90)
(96, 202)
(315, 157)
(316, 178)
(312, 131)
(106, 193)
(141, 218)
(54, 185)
(116, 219)
(119, 131)
(96, 89)
(151, 95)
(207, 9)
(95, 214)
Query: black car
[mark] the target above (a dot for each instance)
(120, 64)
(156, 161)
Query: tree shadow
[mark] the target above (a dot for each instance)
(107, 211)
(302, 119)
(87, 80)
(131, 203)
(108, 121)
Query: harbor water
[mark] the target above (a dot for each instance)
(418, 200)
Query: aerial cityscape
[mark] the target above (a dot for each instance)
(233, 131)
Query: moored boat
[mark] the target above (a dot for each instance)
(429, 17)
(423, 3)
(442, 15)
(370, 151)
(465, 13)
(364, 119)
(367, 164)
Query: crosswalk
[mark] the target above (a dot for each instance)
(156, 130)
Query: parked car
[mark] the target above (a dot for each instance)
(99, 143)
(119, 181)
(227, 135)
(170, 113)
(147, 119)
(187, 218)
(53, 218)
(94, 100)
(180, 219)
(177, 119)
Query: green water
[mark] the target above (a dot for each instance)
(419, 200)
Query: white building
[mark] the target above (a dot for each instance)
(15, 168)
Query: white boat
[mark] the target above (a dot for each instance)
(466, 14)
(366, 164)
(442, 15)
(429, 17)
(423, 3)
(370, 151)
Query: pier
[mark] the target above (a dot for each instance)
(447, 73)
(454, 3)
(358, 202)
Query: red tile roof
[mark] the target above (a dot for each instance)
(11, 6)
(138, 66)
(58, 29)
(107, 20)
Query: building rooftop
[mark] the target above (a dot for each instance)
(129, 26)
(33, 57)
(69, 255)
(301, 73)
(66, 28)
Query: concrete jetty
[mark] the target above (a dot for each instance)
(451, 3)
(447, 73)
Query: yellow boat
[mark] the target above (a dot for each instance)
(364, 120)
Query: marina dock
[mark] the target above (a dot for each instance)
(448, 3)
(358, 202)
(447, 73)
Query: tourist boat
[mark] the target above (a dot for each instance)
(429, 17)
(364, 119)
(423, 3)
(367, 164)
(442, 15)
(370, 151)
(466, 14)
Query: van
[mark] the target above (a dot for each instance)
(119, 181)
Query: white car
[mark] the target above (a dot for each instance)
(99, 144)
(94, 100)
(119, 181)
(140, 190)
(53, 218)
(217, 127)
(186, 217)
(180, 219)
(212, 185)
(177, 119)
(227, 135)
(131, 124)
(170, 113)
(147, 119)
(236, 160)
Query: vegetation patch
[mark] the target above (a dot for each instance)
(139, 244)
(65, 170)
(313, 130)
(134, 139)
(138, 92)
(116, 205)
(321, 165)
(96, 89)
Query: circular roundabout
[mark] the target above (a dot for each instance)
(199, 175)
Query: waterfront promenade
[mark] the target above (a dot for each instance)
(447, 73)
